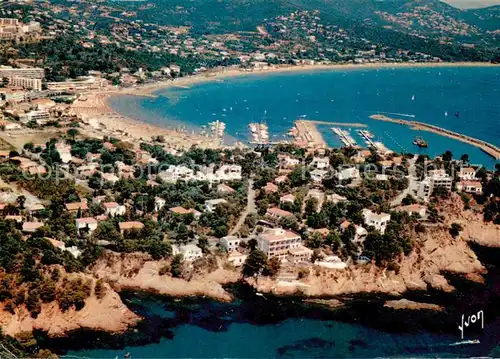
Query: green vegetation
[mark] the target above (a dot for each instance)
(492, 196)
(176, 266)
(28, 274)
(455, 229)
(255, 263)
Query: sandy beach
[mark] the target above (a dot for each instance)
(99, 120)
(228, 72)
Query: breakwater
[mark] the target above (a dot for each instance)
(486, 147)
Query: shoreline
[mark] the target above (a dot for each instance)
(100, 119)
(148, 90)
(382, 312)
(114, 121)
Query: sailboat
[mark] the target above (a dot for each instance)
(446, 113)
(413, 98)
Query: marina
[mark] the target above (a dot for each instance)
(344, 124)
(217, 129)
(376, 145)
(345, 137)
(259, 133)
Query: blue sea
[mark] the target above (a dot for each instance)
(215, 330)
(342, 95)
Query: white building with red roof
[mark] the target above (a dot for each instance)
(470, 186)
(278, 213)
(87, 223)
(113, 208)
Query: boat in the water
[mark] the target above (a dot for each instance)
(466, 342)
(420, 142)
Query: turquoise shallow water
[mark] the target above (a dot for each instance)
(341, 96)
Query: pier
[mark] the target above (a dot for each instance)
(486, 147)
(260, 133)
(377, 146)
(345, 137)
(348, 124)
(307, 135)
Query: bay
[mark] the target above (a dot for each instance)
(423, 94)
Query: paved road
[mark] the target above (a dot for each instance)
(250, 208)
(412, 183)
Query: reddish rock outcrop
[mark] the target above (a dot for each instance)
(106, 314)
(138, 272)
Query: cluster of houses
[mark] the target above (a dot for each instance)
(210, 174)
(31, 221)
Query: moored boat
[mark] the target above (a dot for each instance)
(419, 141)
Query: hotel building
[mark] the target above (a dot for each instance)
(436, 178)
(284, 244)
(27, 72)
(25, 83)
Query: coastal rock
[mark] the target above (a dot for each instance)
(136, 271)
(330, 303)
(435, 253)
(408, 304)
(474, 228)
(106, 314)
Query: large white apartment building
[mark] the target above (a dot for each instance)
(27, 72)
(224, 173)
(12, 95)
(282, 243)
(436, 178)
(11, 28)
(40, 117)
(81, 83)
(8, 21)
(25, 83)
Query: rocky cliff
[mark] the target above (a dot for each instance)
(105, 314)
(435, 252)
(138, 272)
